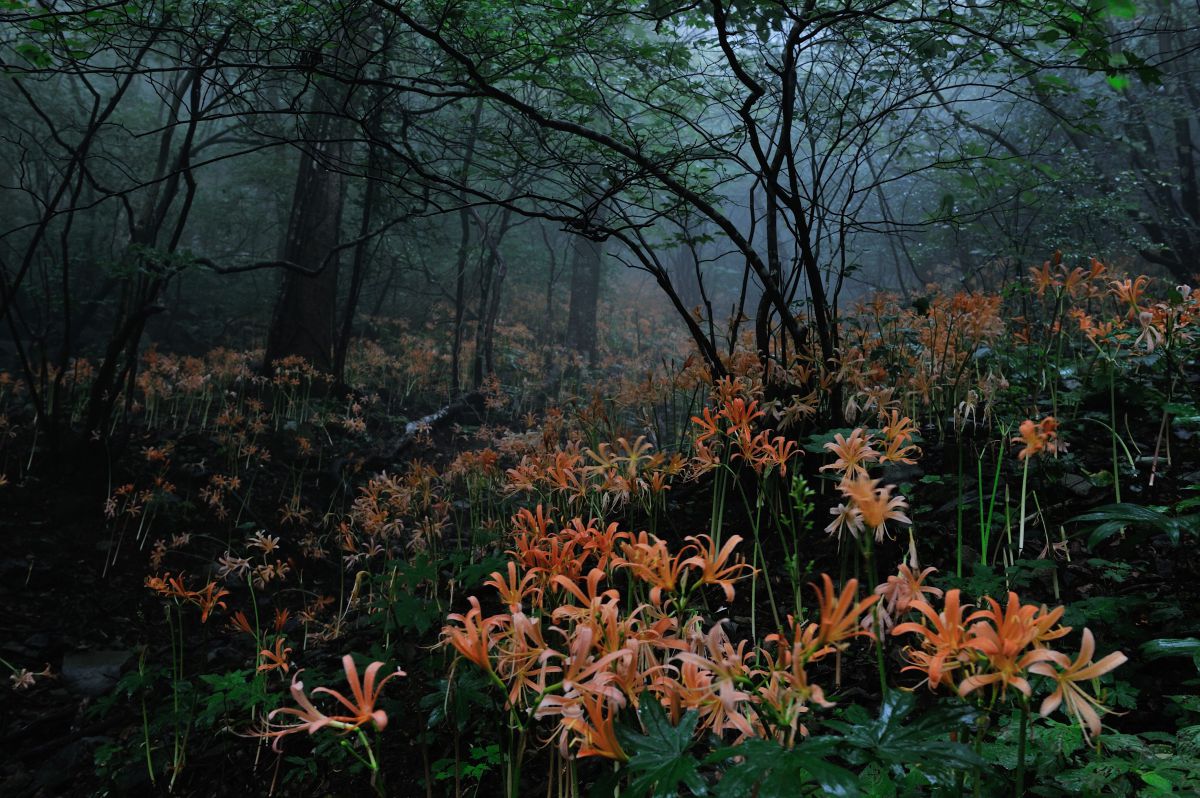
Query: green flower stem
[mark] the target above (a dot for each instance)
(1021, 744)
(1024, 484)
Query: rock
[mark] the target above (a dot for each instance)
(900, 473)
(93, 673)
(1079, 485)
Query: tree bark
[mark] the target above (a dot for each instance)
(304, 322)
(587, 258)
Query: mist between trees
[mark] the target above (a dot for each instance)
(289, 175)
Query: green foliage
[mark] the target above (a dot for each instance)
(1114, 518)
(769, 770)
(1173, 647)
(900, 739)
(661, 759)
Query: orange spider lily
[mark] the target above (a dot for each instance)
(600, 545)
(241, 623)
(597, 730)
(727, 664)
(650, 561)
(313, 720)
(944, 640)
(1079, 704)
(521, 649)
(535, 524)
(1038, 437)
(275, 660)
(589, 602)
(876, 506)
(170, 586)
(1004, 637)
(704, 460)
(774, 454)
(473, 640)
(365, 693)
(1043, 279)
(898, 432)
(579, 666)
(713, 565)
(1129, 292)
(513, 592)
(839, 615)
(741, 415)
(899, 592)
(853, 454)
(707, 422)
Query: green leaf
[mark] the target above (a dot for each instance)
(1156, 781)
(1114, 517)
(1171, 647)
(769, 770)
(661, 760)
(892, 741)
(1123, 9)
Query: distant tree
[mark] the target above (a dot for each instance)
(806, 109)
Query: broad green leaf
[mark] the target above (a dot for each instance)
(660, 759)
(769, 770)
(1172, 647)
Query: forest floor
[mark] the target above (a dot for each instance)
(162, 592)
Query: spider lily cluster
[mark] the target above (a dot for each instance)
(1001, 647)
(573, 650)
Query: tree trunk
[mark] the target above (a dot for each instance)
(358, 272)
(305, 316)
(587, 259)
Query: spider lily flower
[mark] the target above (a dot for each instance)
(597, 729)
(1042, 279)
(1007, 639)
(714, 565)
(473, 639)
(944, 640)
(208, 599)
(899, 592)
(600, 545)
(365, 694)
(514, 592)
(241, 623)
(897, 433)
(741, 416)
(846, 517)
(876, 505)
(312, 720)
(777, 453)
(853, 454)
(1038, 437)
(277, 659)
(839, 614)
(590, 602)
(727, 666)
(1083, 707)
(521, 650)
(1151, 336)
(650, 560)
(1129, 292)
